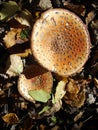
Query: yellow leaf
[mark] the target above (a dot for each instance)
(10, 118)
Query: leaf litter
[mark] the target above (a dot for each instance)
(73, 101)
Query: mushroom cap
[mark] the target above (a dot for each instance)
(34, 78)
(60, 42)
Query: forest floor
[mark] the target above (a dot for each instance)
(79, 111)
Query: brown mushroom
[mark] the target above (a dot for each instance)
(60, 42)
(34, 78)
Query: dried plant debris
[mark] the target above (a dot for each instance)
(90, 17)
(60, 91)
(14, 36)
(45, 4)
(75, 93)
(56, 102)
(94, 30)
(78, 116)
(96, 82)
(8, 10)
(25, 18)
(10, 118)
(14, 65)
(57, 98)
(77, 8)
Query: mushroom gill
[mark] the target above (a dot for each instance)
(60, 42)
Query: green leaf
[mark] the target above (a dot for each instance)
(54, 119)
(8, 10)
(24, 34)
(40, 95)
(44, 109)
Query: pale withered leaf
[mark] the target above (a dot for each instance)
(14, 65)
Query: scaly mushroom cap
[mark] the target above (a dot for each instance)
(34, 78)
(60, 42)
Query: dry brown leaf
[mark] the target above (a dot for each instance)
(79, 9)
(75, 93)
(10, 118)
(12, 37)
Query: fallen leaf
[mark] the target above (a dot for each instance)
(10, 118)
(9, 39)
(96, 82)
(40, 95)
(75, 93)
(46, 108)
(14, 65)
(14, 36)
(45, 4)
(90, 17)
(25, 18)
(77, 8)
(56, 107)
(8, 10)
(60, 91)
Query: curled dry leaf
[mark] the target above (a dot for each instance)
(14, 65)
(96, 82)
(45, 4)
(75, 93)
(10, 118)
(13, 36)
(90, 17)
(60, 90)
(56, 107)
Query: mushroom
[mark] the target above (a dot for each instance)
(60, 42)
(34, 78)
